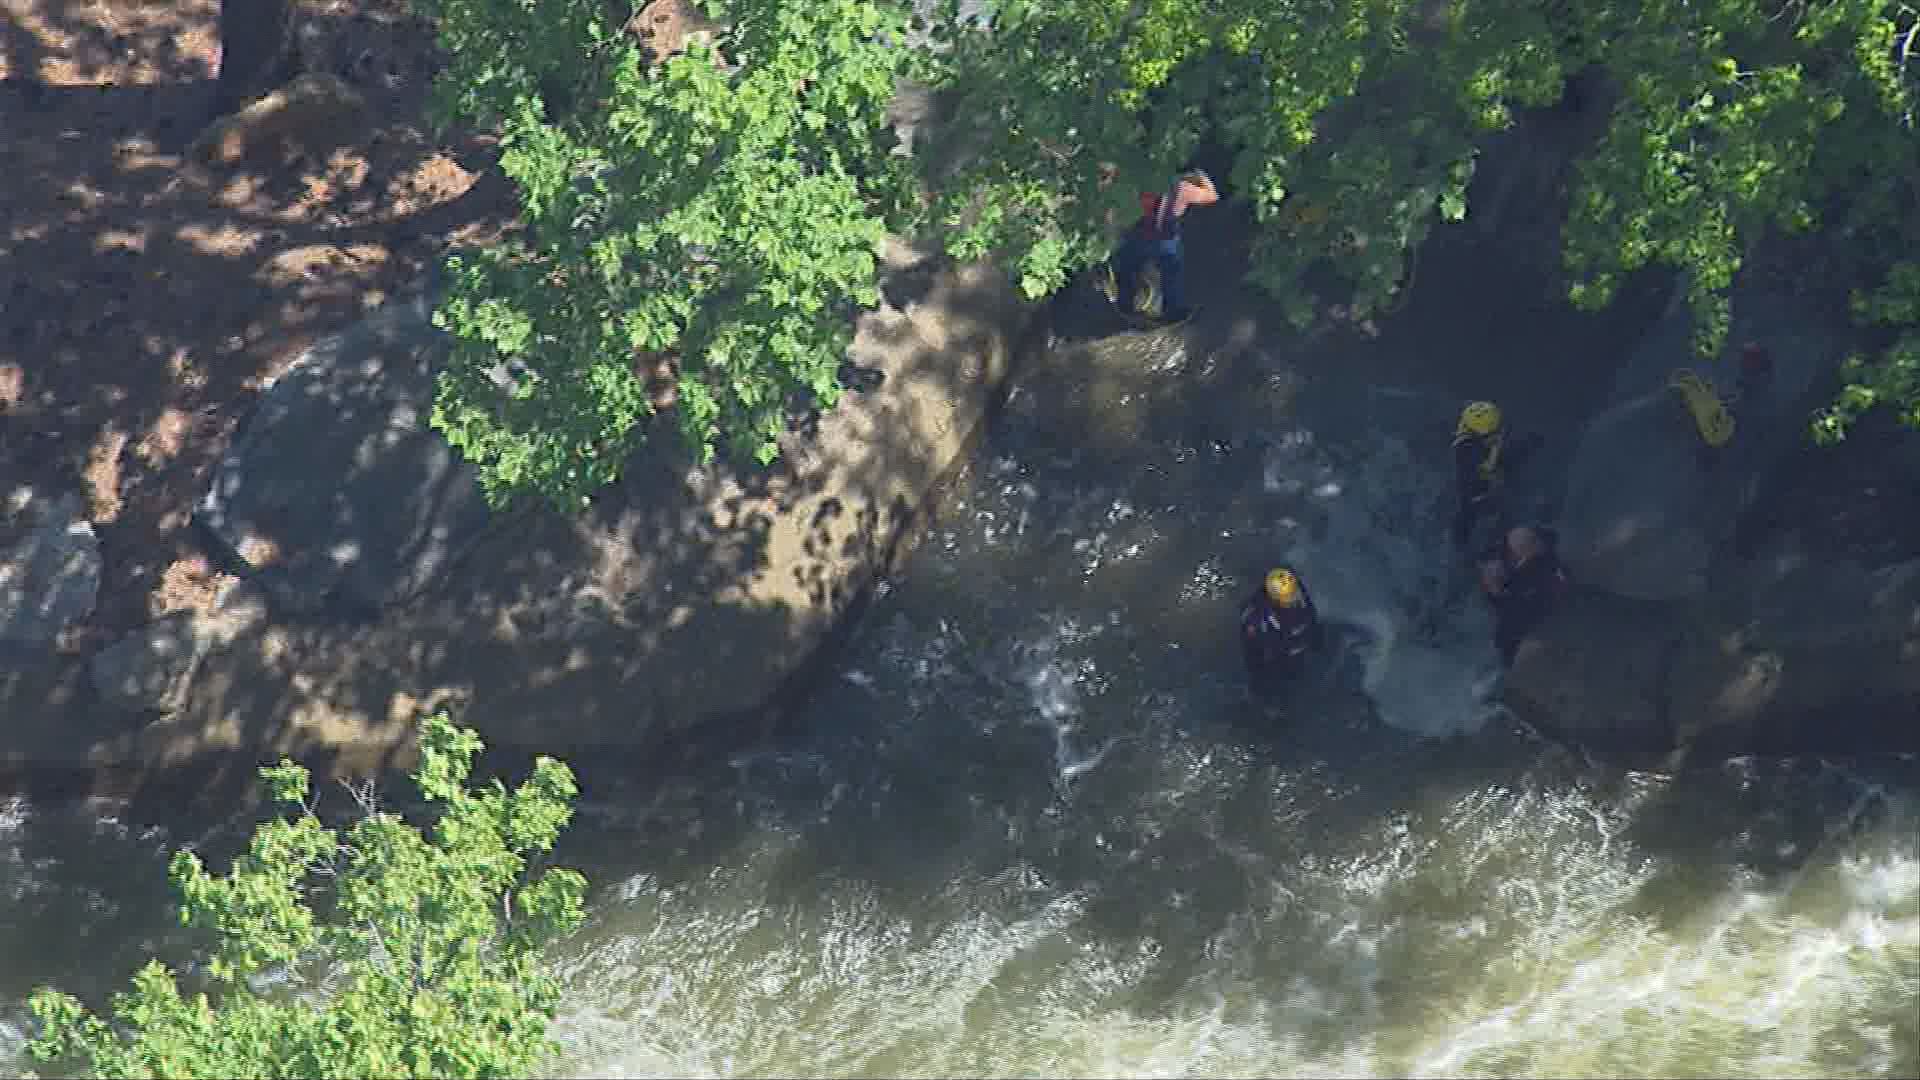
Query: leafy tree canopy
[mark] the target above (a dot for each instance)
(395, 953)
(724, 206)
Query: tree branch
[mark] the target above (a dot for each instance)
(363, 795)
(1064, 157)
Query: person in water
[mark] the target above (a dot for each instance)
(1477, 442)
(1156, 236)
(1278, 628)
(1524, 580)
(1482, 457)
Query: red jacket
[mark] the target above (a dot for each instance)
(1157, 219)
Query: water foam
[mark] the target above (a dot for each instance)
(1495, 934)
(1052, 683)
(1382, 563)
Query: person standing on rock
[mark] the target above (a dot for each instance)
(1524, 580)
(1156, 237)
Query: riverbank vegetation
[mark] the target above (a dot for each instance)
(377, 951)
(708, 204)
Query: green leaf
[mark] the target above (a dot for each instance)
(424, 963)
(734, 211)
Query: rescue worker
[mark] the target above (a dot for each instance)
(1483, 456)
(1477, 442)
(1278, 627)
(1156, 236)
(1524, 580)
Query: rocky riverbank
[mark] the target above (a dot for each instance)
(1716, 612)
(371, 583)
(329, 570)
(363, 581)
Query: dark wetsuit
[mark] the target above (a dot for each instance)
(1275, 640)
(1479, 481)
(1532, 591)
(1476, 482)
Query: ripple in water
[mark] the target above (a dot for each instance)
(1496, 936)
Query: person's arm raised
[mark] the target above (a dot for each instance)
(1199, 189)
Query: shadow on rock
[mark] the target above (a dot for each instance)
(688, 601)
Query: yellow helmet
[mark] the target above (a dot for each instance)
(1479, 418)
(1282, 587)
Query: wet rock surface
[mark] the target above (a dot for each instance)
(1754, 598)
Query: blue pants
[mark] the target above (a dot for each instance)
(1132, 257)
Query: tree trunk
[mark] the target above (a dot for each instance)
(256, 51)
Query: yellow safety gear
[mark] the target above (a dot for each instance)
(1710, 416)
(1479, 418)
(1283, 588)
(1490, 463)
(1490, 446)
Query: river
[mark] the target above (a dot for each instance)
(1031, 825)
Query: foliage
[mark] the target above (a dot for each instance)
(1892, 378)
(1740, 124)
(1353, 125)
(724, 213)
(421, 962)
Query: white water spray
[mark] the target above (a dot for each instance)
(1381, 562)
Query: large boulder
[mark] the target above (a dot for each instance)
(1644, 508)
(1803, 339)
(1649, 506)
(338, 494)
(49, 569)
(1597, 673)
(1792, 657)
(152, 669)
(687, 600)
(1822, 658)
